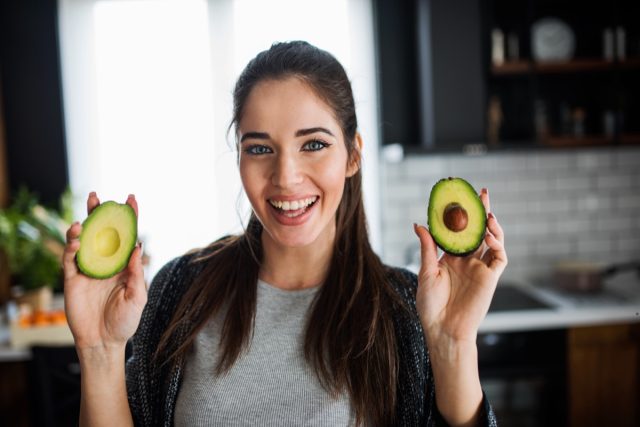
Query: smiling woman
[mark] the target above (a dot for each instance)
(297, 155)
(147, 89)
(295, 319)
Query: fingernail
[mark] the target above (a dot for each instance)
(131, 196)
(491, 215)
(92, 194)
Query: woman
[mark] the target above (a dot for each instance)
(296, 321)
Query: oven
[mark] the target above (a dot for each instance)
(524, 373)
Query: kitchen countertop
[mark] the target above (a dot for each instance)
(618, 303)
(8, 354)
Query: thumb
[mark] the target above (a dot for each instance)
(428, 252)
(136, 287)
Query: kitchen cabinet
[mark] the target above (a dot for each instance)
(430, 72)
(603, 374)
(586, 95)
(14, 406)
(32, 98)
(4, 175)
(5, 291)
(455, 76)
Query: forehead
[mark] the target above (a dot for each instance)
(288, 104)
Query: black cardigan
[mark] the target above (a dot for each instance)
(153, 390)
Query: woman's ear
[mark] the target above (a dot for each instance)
(356, 156)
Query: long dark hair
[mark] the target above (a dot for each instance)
(349, 340)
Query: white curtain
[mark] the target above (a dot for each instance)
(147, 96)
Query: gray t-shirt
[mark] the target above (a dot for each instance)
(271, 384)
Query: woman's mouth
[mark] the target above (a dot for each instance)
(293, 208)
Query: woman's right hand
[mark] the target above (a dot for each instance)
(102, 313)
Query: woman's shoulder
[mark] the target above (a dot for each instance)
(404, 282)
(175, 276)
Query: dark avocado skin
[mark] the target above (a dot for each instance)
(481, 211)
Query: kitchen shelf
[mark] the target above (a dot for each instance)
(630, 138)
(570, 140)
(576, 65)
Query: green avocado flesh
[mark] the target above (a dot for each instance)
(457, 218)
(107, 240)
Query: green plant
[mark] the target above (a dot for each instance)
(33, 237)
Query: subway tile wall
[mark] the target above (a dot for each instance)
(553, 205)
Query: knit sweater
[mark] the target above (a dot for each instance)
(153, 389)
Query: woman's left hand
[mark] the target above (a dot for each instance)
(454, 293)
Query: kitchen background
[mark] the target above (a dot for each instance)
(554, 206)
(537, 100)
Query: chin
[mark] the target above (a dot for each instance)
(297, 239)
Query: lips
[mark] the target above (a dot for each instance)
(292, 211)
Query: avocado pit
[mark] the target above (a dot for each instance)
(107, 241)
(455, 217)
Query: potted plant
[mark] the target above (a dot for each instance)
(33, 237)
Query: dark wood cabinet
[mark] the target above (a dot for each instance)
(32, 98)
(441, 87)
(431, 73)
(589, 97)
(604, 375)
(14, 396)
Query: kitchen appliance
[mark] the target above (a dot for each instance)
(522, 373)
(580, 276)
(509, 297)
(523, 376)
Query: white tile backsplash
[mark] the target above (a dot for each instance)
(552, 205)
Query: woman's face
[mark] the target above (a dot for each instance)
(293, 162)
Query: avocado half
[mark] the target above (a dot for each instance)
(456, 216)
(108, 237)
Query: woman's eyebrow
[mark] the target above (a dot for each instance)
(254, 135)
(300, 132)
(303, 132)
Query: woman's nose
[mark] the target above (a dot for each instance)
(287, 171)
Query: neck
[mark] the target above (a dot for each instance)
(295, 267)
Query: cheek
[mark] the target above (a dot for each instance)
(250, 177)
(333, 178)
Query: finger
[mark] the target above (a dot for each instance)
(428, 251)
(136, 287)
(496, 257)
(484, 197)
(92, 202)
(68, 257)
(131, 201)
(495, 228)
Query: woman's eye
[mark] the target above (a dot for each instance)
(257, 150)
(314, 145)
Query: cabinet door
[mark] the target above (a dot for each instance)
(4, 174)
(4, 200)
(604, 376)
(432, 90)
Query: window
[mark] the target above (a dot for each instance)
(147, 91)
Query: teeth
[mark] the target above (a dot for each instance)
(293, 205)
